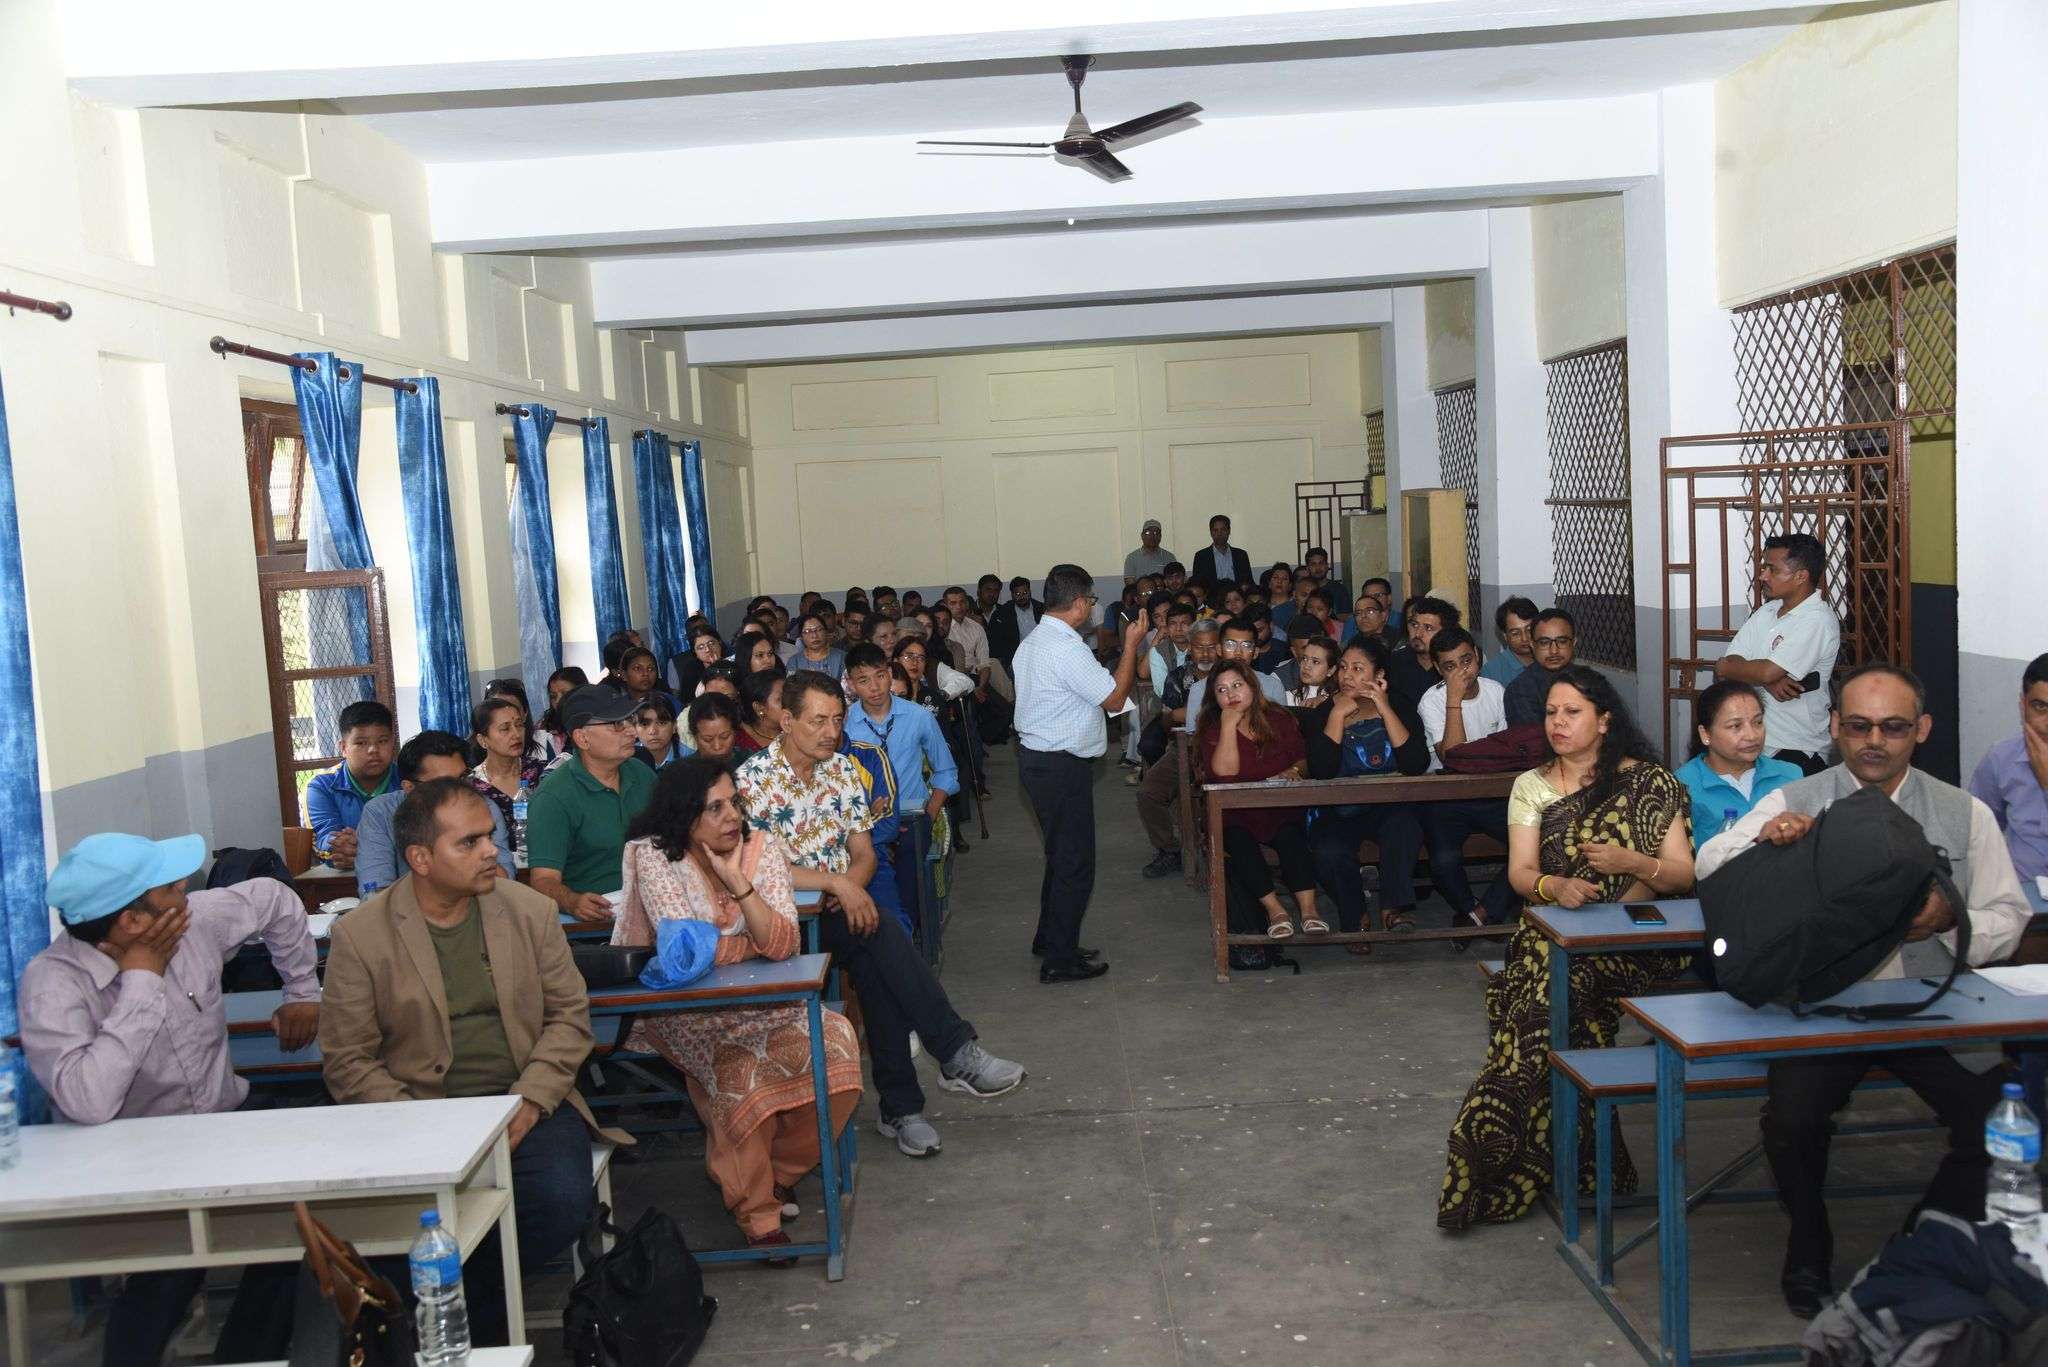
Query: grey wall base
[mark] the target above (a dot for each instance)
(227, 793)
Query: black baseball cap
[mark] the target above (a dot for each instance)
(594, 703)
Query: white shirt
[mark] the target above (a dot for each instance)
(1060, 692)
(1026, 620)
(973, 642)
(1800, 642)
(1485, 714)
(1998, 910)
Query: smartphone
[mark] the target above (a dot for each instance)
(1644, 913)
(1811, 683)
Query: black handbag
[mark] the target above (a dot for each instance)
(345, 1315)
(610, 965)
(640, 1305)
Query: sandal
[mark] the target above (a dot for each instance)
(1314, 925)
(1279, 928)
(1400, 920)
(772, 1240)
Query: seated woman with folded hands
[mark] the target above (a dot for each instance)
(1242, 738)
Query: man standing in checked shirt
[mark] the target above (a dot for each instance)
(1062, 696)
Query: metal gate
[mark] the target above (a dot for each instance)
(326, 644)
(1844, 484)
(1319, 509)
(1457, 438)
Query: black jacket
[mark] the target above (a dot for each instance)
(1004, 635)
(1203, 570)
(1326, 757)
(1408, 678)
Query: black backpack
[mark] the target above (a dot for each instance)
(237, 865)
(640, 1305)
(1798, 923)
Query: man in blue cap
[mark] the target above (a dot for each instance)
(122, 1016)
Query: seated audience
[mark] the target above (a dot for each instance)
(105, 1032)
(1447, 825)
(1553, 647)
(640, 674)
(912, 601)
(707, 648)
(1241, 738)
(1239, 641)
(335, 797)
(508, 770)
(815, 801)
(1317, 563)
(1369, 619)
(1149, 558)
(815, 651)
(1313, 671)
(2012, 778)
(456, 982)
(540, 747)
(723, 677)
(1167, 646)
(1413, 672)
(1788, 648)
(883, 599)
(753, 652)
(1880, 719)
(988, 591)
(1514, 621)
(690, 857)
(1379, 588)
(853, 624)
(1231, 601)
(654, 730)
(760, 710)
(561, 684)
(969, 638)
(1600, 821)
(1364, 729)
(1158, 784)
(424, 758)
(1174, 577)
(1287, 667)
(715, 729)
(1729, 772)
(576, 822)
(882, 633)
(926, 776)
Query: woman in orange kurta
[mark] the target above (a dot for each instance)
(748, 1070)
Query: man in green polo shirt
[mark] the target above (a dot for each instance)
(576, 822)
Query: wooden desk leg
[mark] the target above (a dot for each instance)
(828, 1147)
(17, 1325)
(508, 1245)
(1219, 922)
(1674, 1272)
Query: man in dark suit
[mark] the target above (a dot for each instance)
(1009, 624)
(1219, 562)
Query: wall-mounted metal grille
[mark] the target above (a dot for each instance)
(318, 661)
(1376, 460)
(1592, 555)
(1319, 508)
(1457, 438)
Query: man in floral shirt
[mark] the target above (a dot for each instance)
(816, 801)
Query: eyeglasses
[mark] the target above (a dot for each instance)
(1894, 728)
(1554, 642)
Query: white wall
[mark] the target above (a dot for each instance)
(1448, 305)
(932, 470)
(1580, 297)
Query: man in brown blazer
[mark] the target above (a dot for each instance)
(454, 981)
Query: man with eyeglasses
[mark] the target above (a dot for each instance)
(1879, 719)
(1553, 644)
(576, 822)
(1787, 648)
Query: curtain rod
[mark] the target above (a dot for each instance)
(521, 411)
(657, 432)
(221, 346)
(56, 308)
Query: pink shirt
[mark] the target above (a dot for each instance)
(108, 1045)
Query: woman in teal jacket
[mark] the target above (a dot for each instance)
(1729, 771)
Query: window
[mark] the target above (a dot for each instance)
(275, 447)
(1592, 541)
(1457, 438)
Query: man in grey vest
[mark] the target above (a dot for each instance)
(1879, 716)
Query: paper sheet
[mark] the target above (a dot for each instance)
(2026, 980)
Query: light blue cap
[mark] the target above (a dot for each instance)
(103, 873)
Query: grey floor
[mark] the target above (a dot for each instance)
(1201, 1173)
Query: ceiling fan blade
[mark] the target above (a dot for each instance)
(1145, 123)
(1106, 166)
(946, 142)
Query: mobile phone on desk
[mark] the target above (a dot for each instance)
(1644, 913)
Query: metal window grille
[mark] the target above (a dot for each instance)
(1592, 542)
(1319, 508)
(1457, 436)
(315, 667)
(1376, 460)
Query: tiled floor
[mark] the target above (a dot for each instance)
(1198, 1173)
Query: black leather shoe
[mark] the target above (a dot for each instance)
(1806, 1289)
(1085, 955)
(1076, 972)
(1164, 864)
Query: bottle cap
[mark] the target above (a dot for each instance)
(429, 1219)
(2014, 1091)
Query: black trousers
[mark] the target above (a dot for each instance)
(898, 994)
(1798, 1122)
(1244, 860)
(1062, 791)
(1333, 842)
(1445, 825)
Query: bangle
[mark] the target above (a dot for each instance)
(1656, 868)
(743, 896)
(1542, 896)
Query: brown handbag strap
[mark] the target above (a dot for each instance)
(344, 1280)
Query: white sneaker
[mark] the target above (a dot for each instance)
(916, 1045)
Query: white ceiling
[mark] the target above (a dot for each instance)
(1531, 64)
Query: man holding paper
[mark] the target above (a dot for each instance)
(1062, 696)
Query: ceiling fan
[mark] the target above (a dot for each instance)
(1090, 149)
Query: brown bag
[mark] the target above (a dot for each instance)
(347, 1315)
(1504, 752)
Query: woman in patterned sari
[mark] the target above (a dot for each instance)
(1601, 821)
(689, 857)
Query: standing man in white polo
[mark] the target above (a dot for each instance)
(1062, 696)
(1787, 648)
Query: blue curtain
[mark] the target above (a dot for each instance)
(601, 514)
(700, 526)
(27, 916)
(533, 551)
(331, 413)
(430, 537)
(661, 537)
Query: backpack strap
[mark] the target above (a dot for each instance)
(1884, 1011)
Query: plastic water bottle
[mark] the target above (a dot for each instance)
(443, 1316)
(10, 1117)
(519, 828)
(2013, 1139)
(1729, 816)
